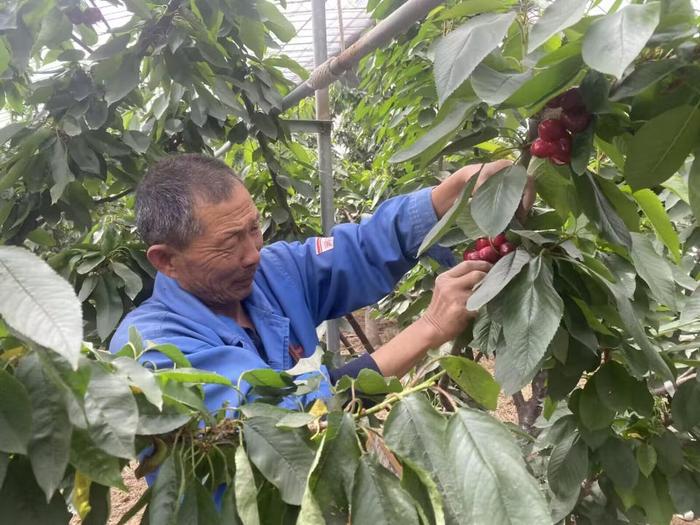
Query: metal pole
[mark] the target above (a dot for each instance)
(318, 21)
(328, 71)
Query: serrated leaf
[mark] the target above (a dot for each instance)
(111, 412)
(661, 146)
(613, 41)
(654, 269)
(165, 497)
(132, 281)
(531, 310)
(109, 306)
(36, 302)
(49, 446)
(643, 76)
(140, 378)
(568, 465)
(15, 415)
(491, 472)
(619, 463)
(494, 87)
(646, 459)
(124, 80)
(137, 141)
(502, 273)
(245, 490)
(694, 185)
(685, 407)
(497, 199)
(193, 375)
(60, 172)
(378, 497)
(556, 17)
(654, 210)
(443, 128)
(458, 53)
(101, 467)
(599, 210)
(472, 379)
(283, 456)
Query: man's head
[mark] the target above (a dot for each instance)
(201, 227)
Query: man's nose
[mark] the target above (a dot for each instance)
(251, 254)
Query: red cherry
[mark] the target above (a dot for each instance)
(542, 148)
(505, 248)
(498, 240)
(576, 120)
(471, 255)
(489, 254)
(563, 153)
(572, 100)
(482, 242)
(555, 102)
(551, 130)
(92, 15)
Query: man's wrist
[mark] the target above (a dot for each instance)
(429, 335)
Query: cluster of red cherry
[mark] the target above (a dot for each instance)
(88, 16)
(489, 249)
(554, 135)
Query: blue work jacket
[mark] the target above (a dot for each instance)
(297, 286)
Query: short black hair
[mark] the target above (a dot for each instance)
(165, 197)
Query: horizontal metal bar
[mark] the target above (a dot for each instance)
(307, 126)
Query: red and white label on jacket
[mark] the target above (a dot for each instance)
(323, 244)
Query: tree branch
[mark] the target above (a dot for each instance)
(360, 333)
(112, 198)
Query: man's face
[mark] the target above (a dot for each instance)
(218, 266)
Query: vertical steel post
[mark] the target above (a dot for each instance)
(325, 169)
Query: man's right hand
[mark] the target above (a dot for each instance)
(447, 315)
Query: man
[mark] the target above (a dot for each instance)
(231, 305)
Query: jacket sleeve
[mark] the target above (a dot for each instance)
(366, 260)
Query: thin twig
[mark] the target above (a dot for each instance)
(112, 198)
(360, 333)
(82, 44)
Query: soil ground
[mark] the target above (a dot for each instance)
(123, 501)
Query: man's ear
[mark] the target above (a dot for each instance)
(161, 257)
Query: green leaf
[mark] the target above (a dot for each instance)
(111, 412)
(109, 306)
(141, 378)
(669, 453)
(378, 497)
(531, 311)
(15, 415)
(685, 407)
(245, 490)
(643, 76)
(619, 463)
(283, 456)
(691, 308)
(22, 501)
(475, 7)
(685, 492)
(137, 141)
(114, 45)
(160, 421)
(332, 474)
(444, 127)
(459, 208)
(5, 57)
(497, 487)
(9, 131)
(276, 21)
(4, 461)
(132, 282)
(415, 432)
(36, 302)
(494, 87)
(267, 377)
(619, 391)
(172, 352)
(458, 53)
(568, 465)
(598, 209)
(556, 17)
(546, 83)
(370, 383)
(594, 414)
(613, 41)
(165, 498)
(694, 185)
(252, 33)
(496, 200)
(49, 446)
(60, 172)
(654, 269)
(124, 80)
(99, 466)
(654, 210)
(661, 146)
(652, 495)
(581, 150)
(193, 375)
(646, 458)
(502, 273)
(472, 379)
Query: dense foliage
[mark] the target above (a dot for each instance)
(596, 312)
